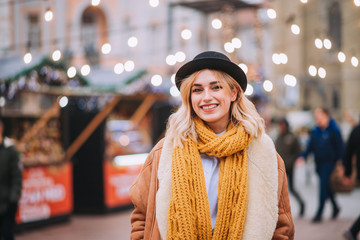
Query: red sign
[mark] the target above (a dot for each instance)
(46, 192)
(117, 182)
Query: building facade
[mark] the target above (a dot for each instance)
(148, 35)
(328, 75)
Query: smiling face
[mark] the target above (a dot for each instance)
(211, 99)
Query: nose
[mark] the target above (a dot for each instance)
(207, 95)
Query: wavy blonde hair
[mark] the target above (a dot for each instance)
(181, 123)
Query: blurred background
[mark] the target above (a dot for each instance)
(86, 87)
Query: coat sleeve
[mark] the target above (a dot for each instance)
(285, 225)
(139, 193)
(143, 197)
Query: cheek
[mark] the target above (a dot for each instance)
(194, 100)
(193, 104)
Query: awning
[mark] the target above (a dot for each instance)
(211, 6)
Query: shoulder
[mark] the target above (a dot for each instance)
(158, 146)
(262, 143)
(154, 154)
(262, 155)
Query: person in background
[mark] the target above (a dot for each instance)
(216, 175)
(288, 147)
(352, 148)
(10, 186)
(327, 146)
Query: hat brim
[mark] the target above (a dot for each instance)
(211, 63)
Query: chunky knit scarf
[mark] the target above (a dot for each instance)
(189, 211)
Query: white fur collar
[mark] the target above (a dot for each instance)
(262, 211)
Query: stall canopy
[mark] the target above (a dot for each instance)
(51, 77)
(211, 6)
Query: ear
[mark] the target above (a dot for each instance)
(234, 94)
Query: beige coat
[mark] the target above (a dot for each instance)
(268, 213)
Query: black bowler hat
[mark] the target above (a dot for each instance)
(211, 60)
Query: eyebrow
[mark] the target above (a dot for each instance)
(211, 83)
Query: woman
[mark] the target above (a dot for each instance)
(216, 175)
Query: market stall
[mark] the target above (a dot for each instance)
(31, 113)
(108, 162)
(47, 176)
(82, 145)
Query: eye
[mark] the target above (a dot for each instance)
(196, 90)
(217, 87)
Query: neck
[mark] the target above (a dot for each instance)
(218, 127)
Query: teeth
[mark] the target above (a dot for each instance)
(209, 107)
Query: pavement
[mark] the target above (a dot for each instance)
(117, 225)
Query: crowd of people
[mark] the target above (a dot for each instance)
(328, 148)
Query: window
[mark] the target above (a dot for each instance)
(335, 25)
(33, 32)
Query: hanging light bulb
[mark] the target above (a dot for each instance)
(236, 42)
(156, 80)
(119, 68)
(249, 90)
(229, 47)
(27, 58)
(271, 13)
(180, 56)
(295, 29)
(154, 3)
(106, 48)
(171, 60)
(48, 15)
(174, 91)
(357, 3)
(71, 72)
(132, 42)
(56, 55)
(268, 86)
(322, 72)
(318, 43)
(129, 66)
(85, 70)
(304, 1)
(63, 101)
(186, 34)
(354, 61)
(283, 58)
(216, 23)
(290, 80)
(95, 2)
(244, 67)
(327, 43)
(312, 70)
(276, 58)
(341, 57)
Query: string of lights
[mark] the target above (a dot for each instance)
(186, 34)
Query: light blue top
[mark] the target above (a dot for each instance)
(211, 172)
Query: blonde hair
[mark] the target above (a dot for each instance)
(181, 125)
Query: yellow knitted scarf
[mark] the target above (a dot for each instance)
(189, 211)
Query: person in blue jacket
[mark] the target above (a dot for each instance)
(328, 147)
